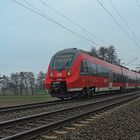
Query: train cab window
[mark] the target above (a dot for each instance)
(62, 61)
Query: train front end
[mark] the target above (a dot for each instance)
(62, 76)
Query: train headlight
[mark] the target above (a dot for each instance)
(69, 71)
(51, 74)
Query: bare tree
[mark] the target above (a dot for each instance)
(3, 83)
(11, 87)
(31, 79)
(94, 52)
(15, 80)
(21, 82)
(107, 54)
(40, 81)
(26, 81)
(111, 53)
(102, 52)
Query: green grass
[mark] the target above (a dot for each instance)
(17, 100)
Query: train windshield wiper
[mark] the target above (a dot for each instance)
(65, 66)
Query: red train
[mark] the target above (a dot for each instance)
(74, 72)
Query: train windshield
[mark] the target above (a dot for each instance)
(62, 61)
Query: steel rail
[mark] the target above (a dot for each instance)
(101, 105)
(28, 111)
(88, 102)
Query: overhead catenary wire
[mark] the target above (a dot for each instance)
(124, 21)
(138, 3)
(72, 21)
(121, 27)
(119, 14)
(40, 13)
(131, 61)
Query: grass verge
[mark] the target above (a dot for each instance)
(25, 99)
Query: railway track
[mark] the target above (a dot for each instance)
(31, 126)
(14, 112)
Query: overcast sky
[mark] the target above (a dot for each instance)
(28, 41)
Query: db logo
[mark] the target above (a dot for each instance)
(105, 81)
(59, 74)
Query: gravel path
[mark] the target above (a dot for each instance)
(122, 123)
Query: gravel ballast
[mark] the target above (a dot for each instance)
(123, 122)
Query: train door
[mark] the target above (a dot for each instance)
(123, 79)
(110, 80)
(135, 80)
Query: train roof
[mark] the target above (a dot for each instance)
(78, 51)
(73, 50)
(69, 50)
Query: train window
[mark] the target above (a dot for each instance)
(117, 77)
(107, 72)
(89, 68)
(120, 78)
(101, 71)
(124, 79)
(84, 68)
(114, 77)
(104, 71)
(98, 70)
(129, 79)
(94, 69)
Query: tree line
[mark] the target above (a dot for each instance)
(22, 83)
(108, 54)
